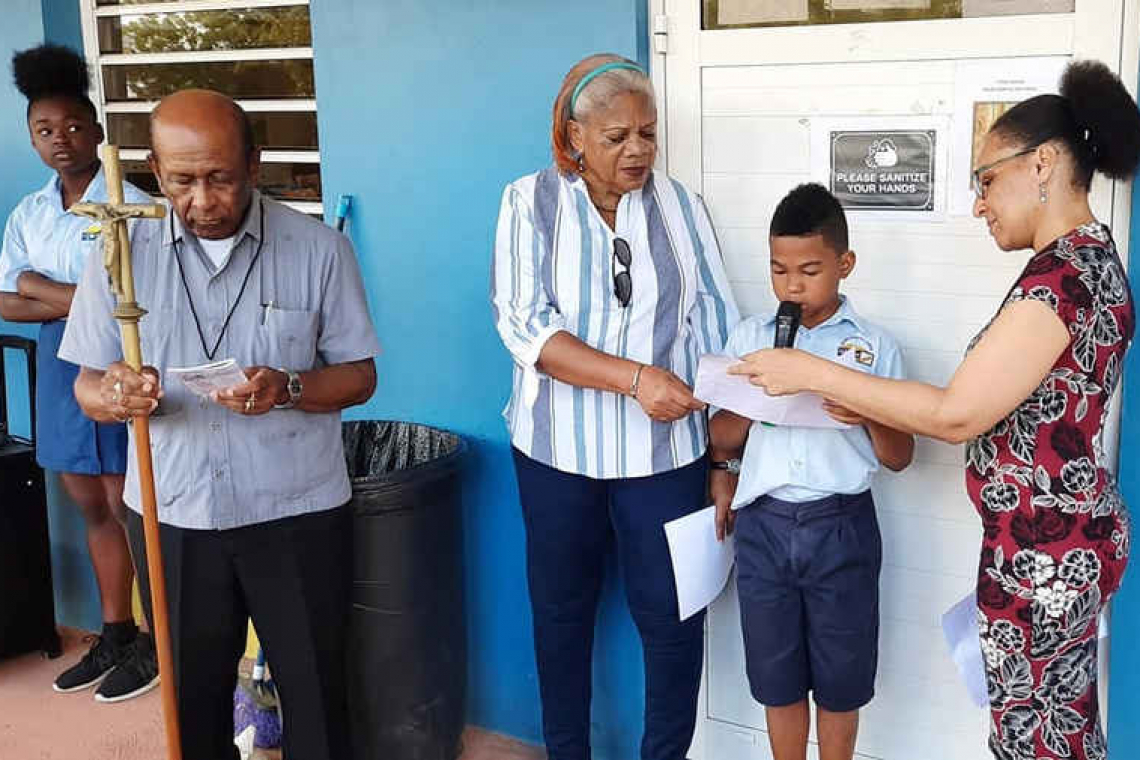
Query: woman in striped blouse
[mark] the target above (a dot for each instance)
(607, 286)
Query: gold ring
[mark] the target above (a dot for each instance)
(249, 404)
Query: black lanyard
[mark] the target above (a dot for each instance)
(197, 323)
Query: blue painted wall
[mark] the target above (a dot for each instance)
(426, 111)
(62, 23)
(1124, 658)
(23, 26)
(22, 169)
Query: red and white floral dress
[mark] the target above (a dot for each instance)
(1056, 530)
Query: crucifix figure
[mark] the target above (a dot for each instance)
(113, 218)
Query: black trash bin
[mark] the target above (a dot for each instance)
(407, 640)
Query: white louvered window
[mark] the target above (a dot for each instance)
(258, 52)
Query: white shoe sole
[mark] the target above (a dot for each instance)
(83, 686)
(131, 695)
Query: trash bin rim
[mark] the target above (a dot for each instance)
(424, 471)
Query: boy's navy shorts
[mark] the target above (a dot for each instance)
(808, 579)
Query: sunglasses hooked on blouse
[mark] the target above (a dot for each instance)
(623, 282)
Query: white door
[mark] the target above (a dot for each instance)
(744, 111)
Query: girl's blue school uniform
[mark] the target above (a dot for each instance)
(41, 236)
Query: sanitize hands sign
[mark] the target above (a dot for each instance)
(883, 170)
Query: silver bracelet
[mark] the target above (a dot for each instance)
(636, 380)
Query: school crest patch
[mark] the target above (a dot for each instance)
(858, 348)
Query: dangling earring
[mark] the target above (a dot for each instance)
(1044, 196)
(581, 163)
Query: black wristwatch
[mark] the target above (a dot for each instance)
(731, 465)
(293, 386)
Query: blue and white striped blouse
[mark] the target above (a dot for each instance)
(553, 270)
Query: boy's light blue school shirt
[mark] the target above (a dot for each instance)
(802, 464)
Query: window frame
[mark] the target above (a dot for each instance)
(90, 13)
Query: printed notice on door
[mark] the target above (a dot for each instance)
(983, 91)
(883, 170)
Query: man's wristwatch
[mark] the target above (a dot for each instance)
(294, 386)
(731, 465)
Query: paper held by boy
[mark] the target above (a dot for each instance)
(717, 388)
(701, 564)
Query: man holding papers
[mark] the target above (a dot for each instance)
(251, 480)
(808, 550)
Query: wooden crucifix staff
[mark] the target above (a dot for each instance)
(113, 217)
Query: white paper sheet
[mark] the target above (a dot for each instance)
(733, 392)
(982, 90)
(761, 11)
(207, 378)
(960, 626)
(701, 564)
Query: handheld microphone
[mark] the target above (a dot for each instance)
(787, 323)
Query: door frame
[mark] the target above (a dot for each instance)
(679, 49)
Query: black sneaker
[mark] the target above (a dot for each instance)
(100, 660)
(136, 674)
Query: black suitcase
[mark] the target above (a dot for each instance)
(27, 606)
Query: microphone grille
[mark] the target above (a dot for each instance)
(789, 309)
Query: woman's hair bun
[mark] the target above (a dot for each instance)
(49, 71)
(1102, 106)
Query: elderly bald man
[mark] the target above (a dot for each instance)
(251, 482)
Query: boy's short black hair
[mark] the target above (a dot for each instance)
(811, 210)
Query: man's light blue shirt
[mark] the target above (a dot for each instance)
(802, 464)
(304, 308)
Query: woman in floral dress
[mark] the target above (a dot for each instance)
(1031, 398)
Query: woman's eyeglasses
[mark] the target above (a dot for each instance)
(976, 176)
(623, 283)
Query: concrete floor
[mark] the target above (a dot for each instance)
(38, 724)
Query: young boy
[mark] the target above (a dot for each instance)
(808, 550)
